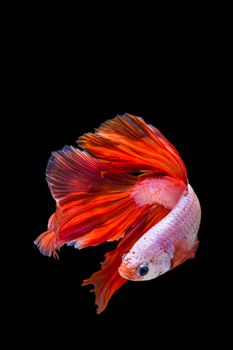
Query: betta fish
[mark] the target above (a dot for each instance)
(127, 183)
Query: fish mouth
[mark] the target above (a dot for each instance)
(127, 273)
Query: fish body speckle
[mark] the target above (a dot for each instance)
(178, 228)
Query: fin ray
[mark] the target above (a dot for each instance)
(108, 280)
(132, 145)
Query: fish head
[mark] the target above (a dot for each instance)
(142, 268)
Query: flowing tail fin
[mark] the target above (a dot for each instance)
(46, 243)
(93, 205)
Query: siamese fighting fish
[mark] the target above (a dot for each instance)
(126, 183)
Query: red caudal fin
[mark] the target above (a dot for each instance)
(93, 206)
(107, 281)
(71, 173)
(46, 243)
(129, 143)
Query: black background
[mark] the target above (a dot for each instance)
(63, 93)
(181, 293)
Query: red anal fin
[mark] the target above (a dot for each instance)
(107, 281)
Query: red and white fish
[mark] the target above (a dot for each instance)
(128, 184)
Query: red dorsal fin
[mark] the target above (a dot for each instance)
(132, 145)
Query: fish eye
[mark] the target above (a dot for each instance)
(143, 269)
